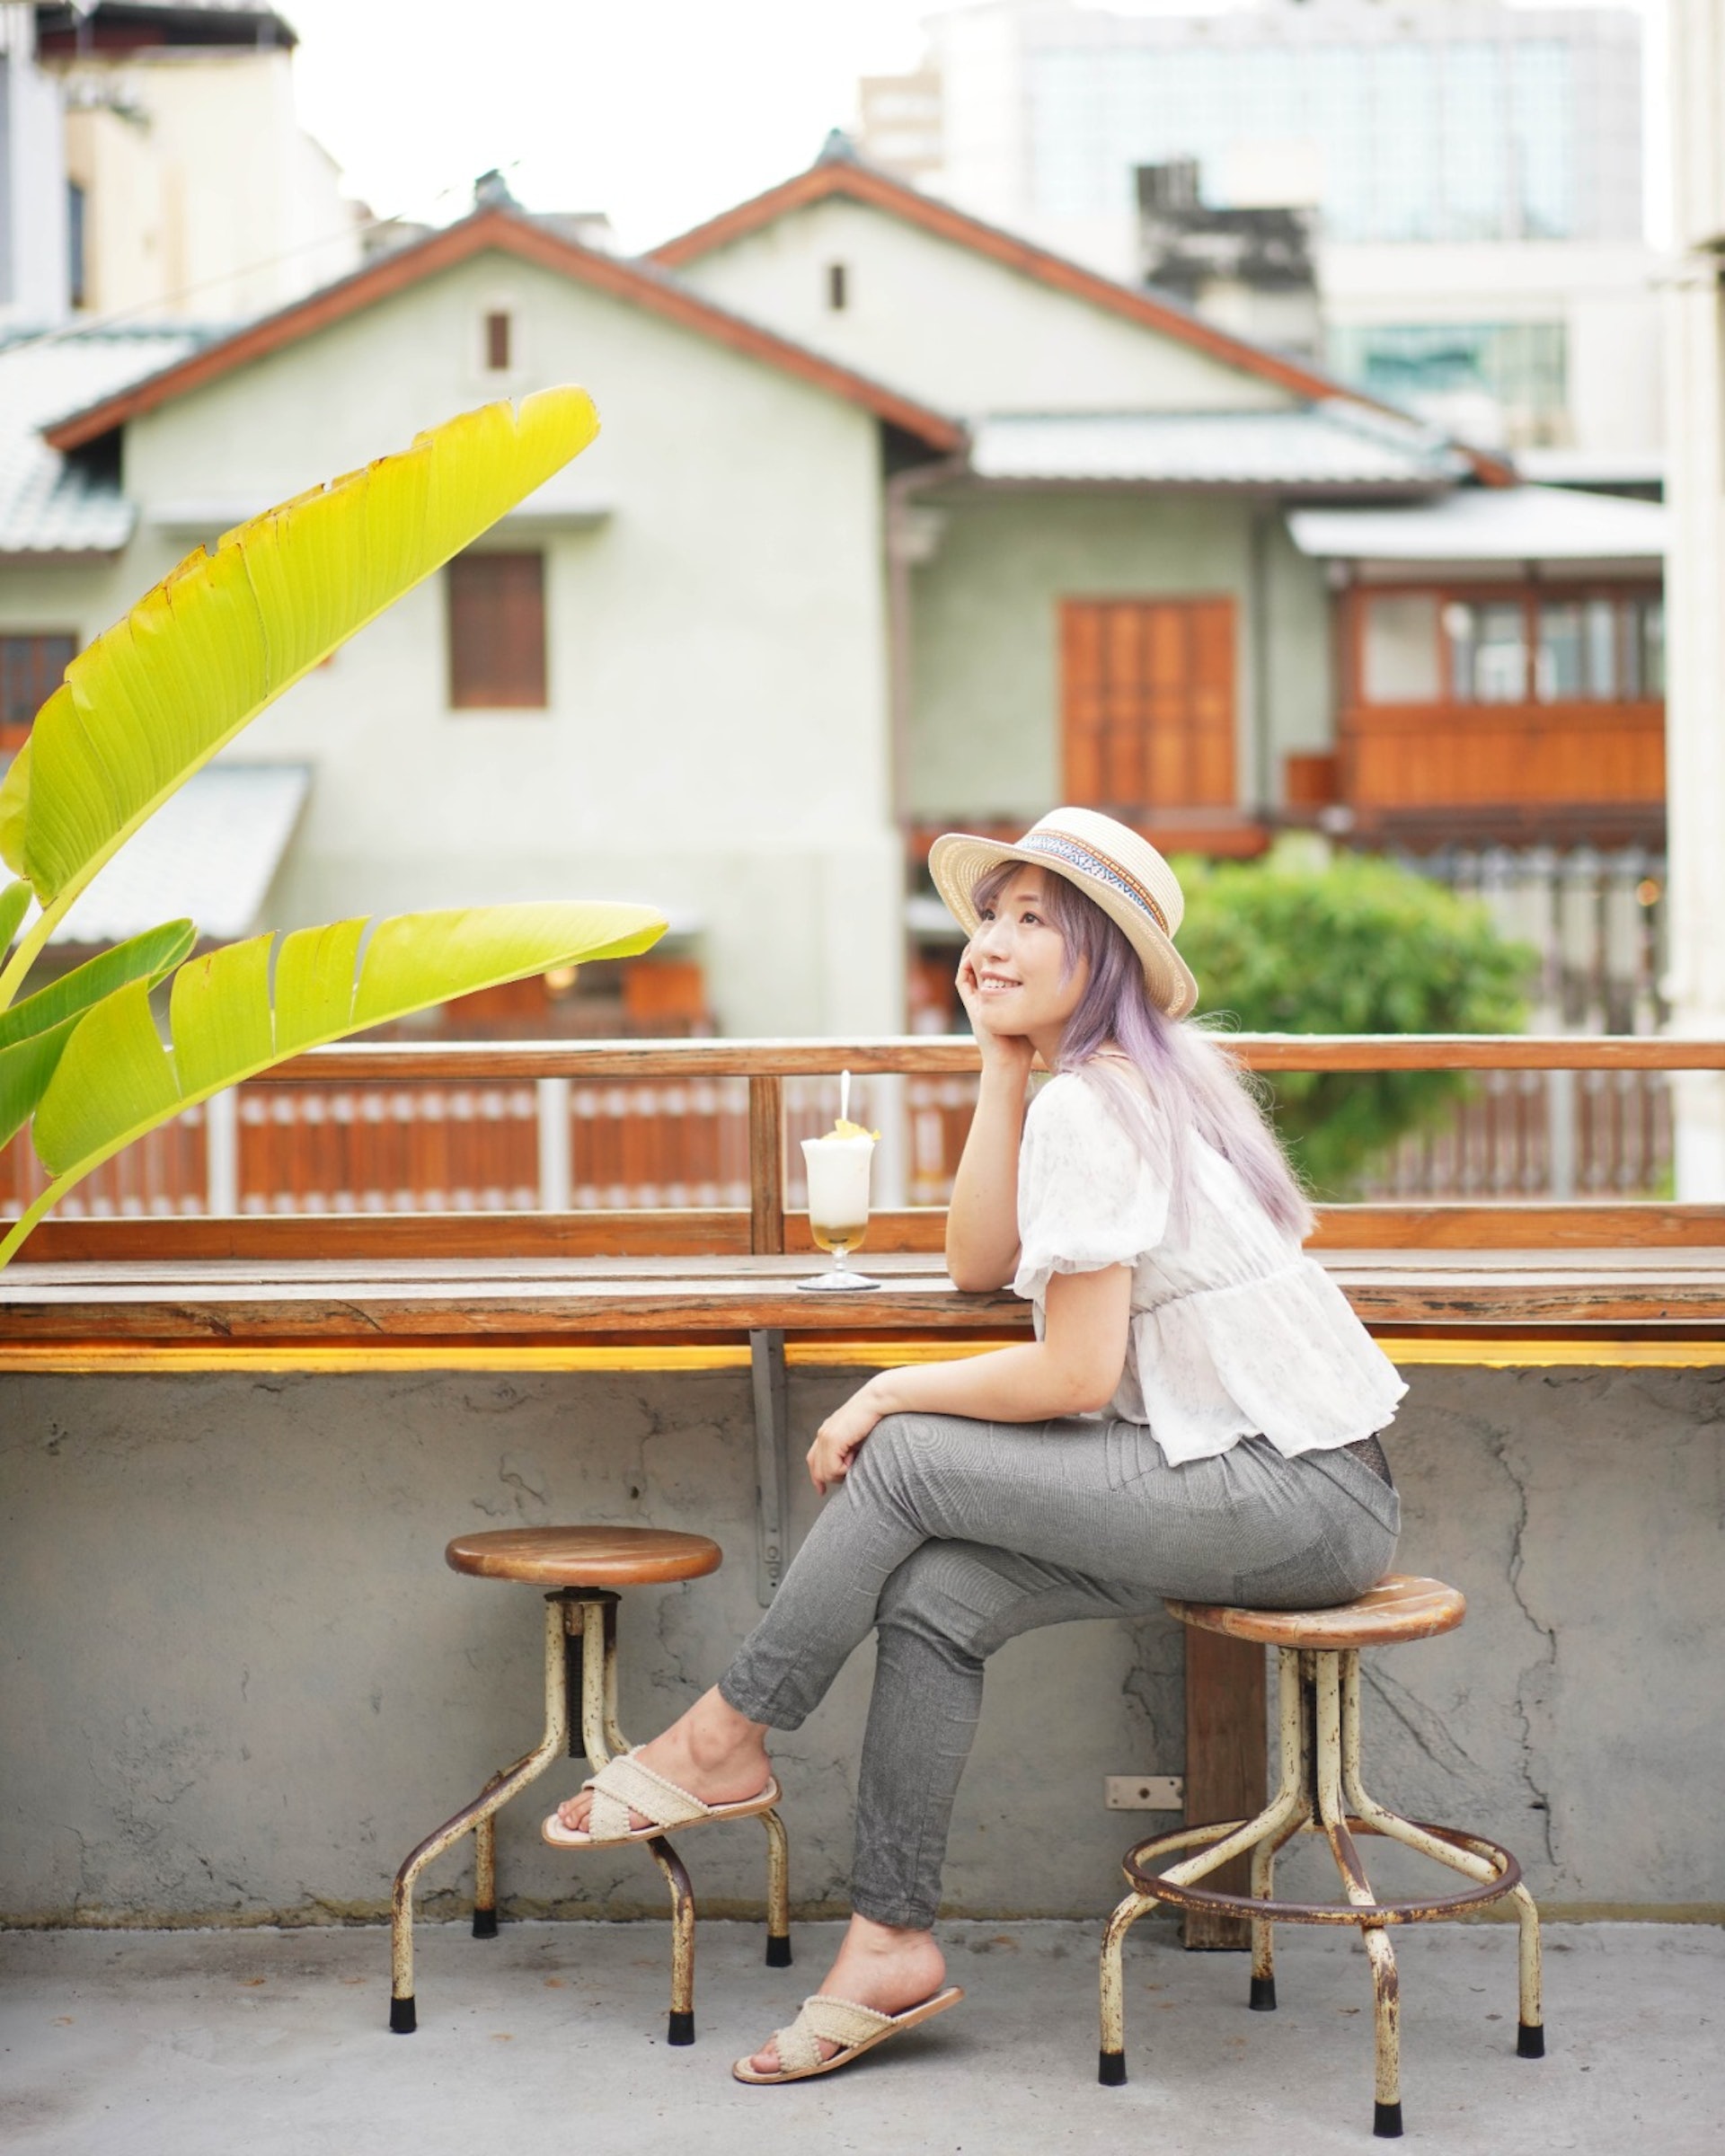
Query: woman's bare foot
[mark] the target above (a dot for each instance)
(879, 1966)
(713, 1752)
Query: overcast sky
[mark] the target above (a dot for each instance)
(659, 111)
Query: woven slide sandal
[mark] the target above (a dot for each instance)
(625, 1786)
(853, 2029)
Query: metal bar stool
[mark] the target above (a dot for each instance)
(1320, 1793)
(584, 1566)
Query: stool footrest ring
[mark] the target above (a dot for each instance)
(1427, 1909)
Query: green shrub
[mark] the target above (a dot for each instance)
(1304, 942)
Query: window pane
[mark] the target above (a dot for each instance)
(1488, 651)
(1650, 644)
(31, 667)
(1402, 650)
(497, 632)
(1561, 673)
(1603, 641)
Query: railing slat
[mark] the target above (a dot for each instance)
(766, 1164)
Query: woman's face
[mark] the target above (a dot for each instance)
(1019, 959)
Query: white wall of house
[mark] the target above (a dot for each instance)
(716, 740)
(205, 198)
(962, 331)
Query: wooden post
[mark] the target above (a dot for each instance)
(766, 1166)
(1227, 1761)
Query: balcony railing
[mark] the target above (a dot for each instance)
(688, 1147)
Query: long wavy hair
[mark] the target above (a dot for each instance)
(1192, 1088)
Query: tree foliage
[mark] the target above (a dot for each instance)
(1304, 942)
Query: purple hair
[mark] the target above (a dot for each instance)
(1195, 1087)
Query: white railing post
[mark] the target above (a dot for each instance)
(556, 1183)
(222, 1154)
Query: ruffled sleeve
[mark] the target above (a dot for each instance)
(1087, 1197)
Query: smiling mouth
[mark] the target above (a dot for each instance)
(996, 984)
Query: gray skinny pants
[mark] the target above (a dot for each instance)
(950, 1536)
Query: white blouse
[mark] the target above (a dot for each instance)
(1234, 1329)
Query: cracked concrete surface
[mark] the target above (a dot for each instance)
(243, 1683)
(183, 2044)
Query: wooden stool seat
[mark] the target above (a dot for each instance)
(1398, 1607)
(584, 1557)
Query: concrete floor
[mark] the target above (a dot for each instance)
(267, 2043)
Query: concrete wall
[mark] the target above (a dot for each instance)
(987, 732)
(239, 1683)
(960, 331)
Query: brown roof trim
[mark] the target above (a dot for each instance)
(501, 231)
(865, 183)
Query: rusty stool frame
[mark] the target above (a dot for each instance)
(1320, 1793)
(581, 1722)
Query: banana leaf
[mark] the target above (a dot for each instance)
(14, 903)
(116, 1079)
(34, 1033)
(153, 698)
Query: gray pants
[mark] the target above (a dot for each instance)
(950, 1536)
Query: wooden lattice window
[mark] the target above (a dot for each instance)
(1147, 703)
(497, 632)
(30, 670)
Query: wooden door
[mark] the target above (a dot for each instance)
(1146, 703)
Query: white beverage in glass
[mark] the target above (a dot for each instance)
(839, 1202)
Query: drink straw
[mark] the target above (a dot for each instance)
(844, 1096)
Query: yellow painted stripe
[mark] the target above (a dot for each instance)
(96, 1359)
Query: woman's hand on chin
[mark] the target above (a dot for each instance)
(840, 1438)
(1008, 1054)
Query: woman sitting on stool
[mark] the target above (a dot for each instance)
(1196, 1417)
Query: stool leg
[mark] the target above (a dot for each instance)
(603, 1739)
(1110, 2069)
(1335, 1731)
(778, 1893)
(1297, 1774)
(1530, 2032)
(680, 2029)
(403, 2012)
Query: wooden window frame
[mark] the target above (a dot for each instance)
(14, 733)
(500, 663)
(499, 339)
(1531, 594)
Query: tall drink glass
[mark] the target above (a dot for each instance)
(838, 1207)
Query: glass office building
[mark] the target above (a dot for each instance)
(1410, 122)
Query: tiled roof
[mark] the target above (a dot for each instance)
(1329, 445)
(210, 850)
(1507, 524)
(50, 505)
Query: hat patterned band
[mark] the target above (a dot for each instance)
(1098, 865)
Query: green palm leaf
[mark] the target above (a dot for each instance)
(116, 1079)
(156, 696)
(34, 1033)
(14, 903)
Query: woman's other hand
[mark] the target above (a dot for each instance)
(1010, 1054)
(840, 1438)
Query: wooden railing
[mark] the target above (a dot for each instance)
(763, 1214)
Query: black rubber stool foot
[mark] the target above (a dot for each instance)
(1111, 2069)
(484, 1923)
(778, 1950)
(681, 2028)
(1530, 2040)
(1386, 2121)
(403, 2020)
(1263, 1996)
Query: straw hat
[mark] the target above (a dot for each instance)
(1108, 862)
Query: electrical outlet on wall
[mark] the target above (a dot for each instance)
(1143, 1792)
